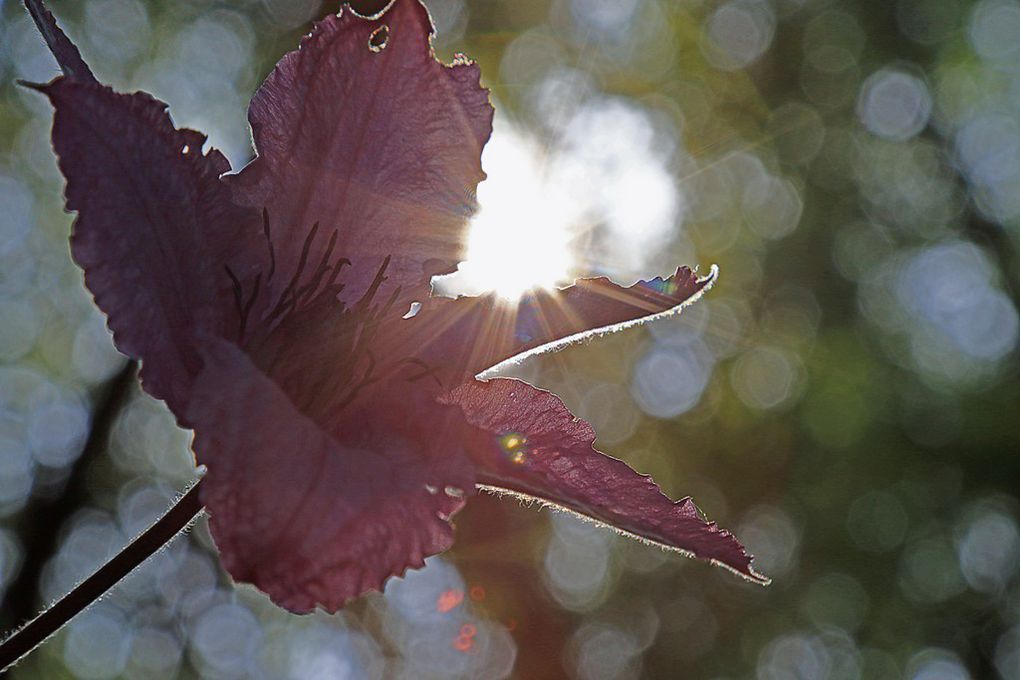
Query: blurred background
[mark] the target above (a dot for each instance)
(845, 399)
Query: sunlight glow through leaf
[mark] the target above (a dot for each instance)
(520, 238)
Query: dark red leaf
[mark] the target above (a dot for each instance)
(372, 138)
(154, 229)
(540, 451)
(335, 452)
(311, 517)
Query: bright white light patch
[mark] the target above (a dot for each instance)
(520, 237)
(540, 206)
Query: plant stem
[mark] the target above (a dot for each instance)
(25, 639)
(44, 517)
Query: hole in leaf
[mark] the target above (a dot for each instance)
(415, 308)
(380, 36)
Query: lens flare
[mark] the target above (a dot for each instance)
(512, 445)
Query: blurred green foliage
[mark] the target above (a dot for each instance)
(845, 399)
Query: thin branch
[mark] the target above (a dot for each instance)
(46, 516)
(91, 589)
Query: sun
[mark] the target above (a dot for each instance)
(520, 237)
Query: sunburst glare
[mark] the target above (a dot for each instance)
(520, 238)
(595, 196)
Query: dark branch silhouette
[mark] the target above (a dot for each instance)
(91, 589)
(45, 517)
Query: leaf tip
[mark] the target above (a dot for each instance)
(744, 571)
(64, 51)
(756, 577)
(709, 279)
(29, 85)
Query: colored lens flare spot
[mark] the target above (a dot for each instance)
(449, 600)
(513, 446)
(465, 642)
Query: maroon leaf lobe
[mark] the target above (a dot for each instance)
(365, 133)
(154, 227)
(542, 452)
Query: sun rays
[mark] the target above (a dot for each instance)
(520, 239)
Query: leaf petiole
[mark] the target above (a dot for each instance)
(36, 631)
